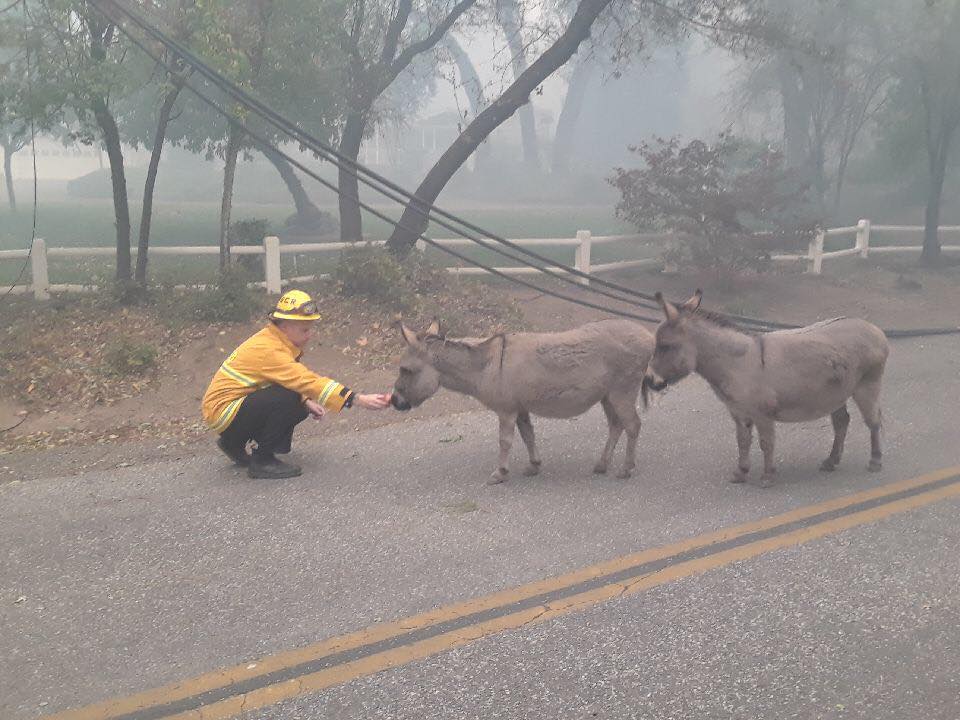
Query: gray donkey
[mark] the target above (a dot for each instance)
(559, 374)
(783, 376)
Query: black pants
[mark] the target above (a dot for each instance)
(267, 416)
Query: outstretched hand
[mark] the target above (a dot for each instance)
(373, 401)
(315, 409)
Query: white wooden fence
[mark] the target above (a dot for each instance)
(272, 250)
(861, 234)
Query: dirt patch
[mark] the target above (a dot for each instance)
(60, 388)
(157, 414)
(891, 294)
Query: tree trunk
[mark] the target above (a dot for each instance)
(351, 229)
(118, 180)
(304, 205)
(510, 22)
(796, 116)
(472, 86)
(930, 255)
(570, 114)
(146, 214)
(234, 136)
(414, 221)
(8, 175)
(469, 78)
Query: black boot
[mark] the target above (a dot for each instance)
(268, 467)
(238, 455)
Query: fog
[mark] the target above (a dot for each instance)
(688, 87)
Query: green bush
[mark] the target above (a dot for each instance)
(249, 232)
(125, 357)
(730, 203)
(375, 273)
(126, 293)
(230, 300)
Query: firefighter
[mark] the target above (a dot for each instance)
(262, 391)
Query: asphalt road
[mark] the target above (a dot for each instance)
(114, 583)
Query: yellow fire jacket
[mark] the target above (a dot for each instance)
(267, 358)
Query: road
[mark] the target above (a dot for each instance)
(368, 586)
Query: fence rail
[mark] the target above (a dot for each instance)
(583, 244)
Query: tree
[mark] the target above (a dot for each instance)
(472, 86)
(583, 71)
(634, 23)
(927, 66)
(820, 60)
(413, 222)
(510, 17)
(729, 203)
(84, 55)
(12, 141)
(379, 41)
(285, 54)
(14, 97)
(183, 18)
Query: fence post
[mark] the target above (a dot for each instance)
(271, 264)
(38, 270)
(581, 260)
(815, 253)
(863, 237)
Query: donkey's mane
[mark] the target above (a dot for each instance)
(461, 343)
(716, 319)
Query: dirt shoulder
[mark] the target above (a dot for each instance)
(73, 411)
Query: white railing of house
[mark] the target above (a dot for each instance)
(272, 250)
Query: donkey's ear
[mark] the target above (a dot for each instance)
(409, 335)
(669, 309)
(434, 328)
(693, 303)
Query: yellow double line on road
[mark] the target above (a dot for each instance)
(227, 692)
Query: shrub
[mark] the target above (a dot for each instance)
(249, 232)
(375, 273)
(126, 357)
(230, 300)
(730, 204)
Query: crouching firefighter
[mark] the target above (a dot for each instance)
(262, 391)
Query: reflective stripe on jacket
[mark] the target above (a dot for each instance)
(267, 358)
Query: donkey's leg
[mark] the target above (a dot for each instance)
(841, 420)
(867, 397)
(507, 423)
(615, 428)
(625, 405)
(526, 432)
(765, 432)
(744, 439)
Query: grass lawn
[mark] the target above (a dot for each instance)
(90, 223)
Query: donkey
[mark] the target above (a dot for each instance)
(559, 374)
(783, 376)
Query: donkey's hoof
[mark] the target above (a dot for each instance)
(498, 476)
(768, 479)
(625, 473)
(532, 469)
(828, 465)
(600, 469)
(874, 465)
(740, 476)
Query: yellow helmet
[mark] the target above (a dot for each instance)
(295, 305)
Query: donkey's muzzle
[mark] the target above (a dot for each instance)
(399, 402)
(651, 382)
